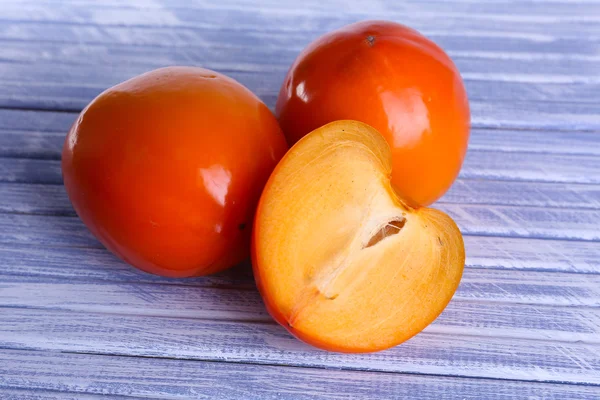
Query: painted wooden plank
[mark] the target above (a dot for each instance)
(35, 394)
(52, 121)
(552, 7)
(496, 255)
(547, 87)
(428, 353)
(39, 121)
(40, 143)
(269, 36)
(82, 270)
(490, 316)
(503, 221)
(45, 230)
(541, 116)
(304, 18)
(526, 287)
(479, 164)
(28, 170)
(490, 192)
(142, 377)
(53, 74)
(259, 39)
(221, 47)
(46, 145)
(161, 41)
(224, 293)
(484, 114)
(35, 199)
(52, 199)
(529, 254)
(535, 141)
(534, 222)
(44, 86)
(47, 142)
(97, 264)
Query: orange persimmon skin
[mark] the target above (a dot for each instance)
(166, 169)
(394, 79)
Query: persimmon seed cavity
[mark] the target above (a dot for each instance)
(391, 228)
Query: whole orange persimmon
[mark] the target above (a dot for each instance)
(166, 169)
(394, 79)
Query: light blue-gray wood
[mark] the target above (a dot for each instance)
(46, 142)
(77, 323)
(470, 313)
(452, 354)
(51, 199)
(473, 220)
(36, 394)
(496, 165)
(83, 373)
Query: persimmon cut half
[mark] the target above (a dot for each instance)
(339, 258)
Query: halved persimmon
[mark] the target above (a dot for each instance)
(339, 257)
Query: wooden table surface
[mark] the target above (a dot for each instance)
(75, 322)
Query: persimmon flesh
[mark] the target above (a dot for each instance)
(339, 258)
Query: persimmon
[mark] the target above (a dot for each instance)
(394, 79)
(340, 259)
(166, 169)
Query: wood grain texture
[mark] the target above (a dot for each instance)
(36, 394)
(514, 193)
(532, 222)
(484, 164)
(45, 85)
(50, 199)
(146, 378)
(39, 121)
(525, 320)
(528, 254)
(498, 7)
(264, 52)
(503, 221)
(40, 143)
(504, 269)
(30, 171)
(205, 36)
(501, 114)
(316, 16)
(431, 353)
(474, 310)
(570, 102)
(60, 122)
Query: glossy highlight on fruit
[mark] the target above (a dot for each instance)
(339, 258)
(166, 169)
(394, 79)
